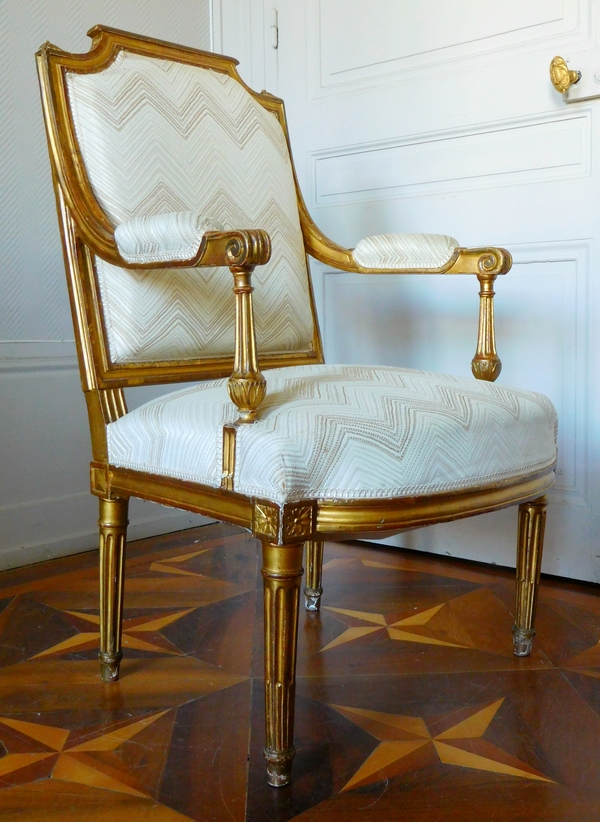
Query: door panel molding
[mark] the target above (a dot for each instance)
(531, 149)
(342, 55)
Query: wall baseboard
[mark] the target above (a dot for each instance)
(88, 540)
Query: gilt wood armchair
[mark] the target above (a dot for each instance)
(168, 171)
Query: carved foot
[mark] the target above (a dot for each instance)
(279, 767)
(522, 641)
(312, 598)
(109, 666)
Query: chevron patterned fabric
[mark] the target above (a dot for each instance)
(163, 237)
(405, 251)
(344, 432)
(160, 137)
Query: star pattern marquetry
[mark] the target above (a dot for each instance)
(412, 628)
(94, 762)
(139, 633)
(409, 743)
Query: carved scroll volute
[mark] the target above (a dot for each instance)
(486, 364)
(247, 387)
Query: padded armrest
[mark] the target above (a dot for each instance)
(163, 237)
(405, 251)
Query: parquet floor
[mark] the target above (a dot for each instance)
(410, 703)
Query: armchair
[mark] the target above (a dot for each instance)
(169, 170)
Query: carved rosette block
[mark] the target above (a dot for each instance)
(113, 535)
(282, 574)
(530, 543)
(314, 575)
(291, 522)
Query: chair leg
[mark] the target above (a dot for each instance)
(530, 543)
(282, 572)
(113, 535)
(314, 576)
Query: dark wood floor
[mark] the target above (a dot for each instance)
(410, 703)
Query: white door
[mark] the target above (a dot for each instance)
(440, 117)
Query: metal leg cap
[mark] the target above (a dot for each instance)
(312, 598)
(109, 666)
(522, 641)
(279, 767)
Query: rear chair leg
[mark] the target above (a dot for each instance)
(314, 576)
(113, 534)
(282, 573)
(530, 543)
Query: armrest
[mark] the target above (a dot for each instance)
(160, 238)
(463, 261)
(186, 239)
(421, 254)
(406, 252)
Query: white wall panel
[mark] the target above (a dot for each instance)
(45, 505)
(404, 34)
(541, 148)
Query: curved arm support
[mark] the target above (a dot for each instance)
(485, 263)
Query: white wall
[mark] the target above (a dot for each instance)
(45, 506)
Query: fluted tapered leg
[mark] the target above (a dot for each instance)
(314, 575)
(113, 535)
(282, 572)
(530, 543)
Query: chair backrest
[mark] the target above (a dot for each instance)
(137, 128)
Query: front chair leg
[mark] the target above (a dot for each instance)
(314, 575)
(530, 543)
(113, 535)
(282, 572)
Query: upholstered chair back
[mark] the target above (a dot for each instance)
(159, 136)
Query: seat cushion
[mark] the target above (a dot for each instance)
(345, 432)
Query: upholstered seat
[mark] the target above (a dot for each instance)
(171, 175)
(344, 432)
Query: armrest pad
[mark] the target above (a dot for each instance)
(405, 251)
(165, 237)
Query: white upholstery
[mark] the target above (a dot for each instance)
(343, 432)
(405, 251)
(163, 237)
(159, 137)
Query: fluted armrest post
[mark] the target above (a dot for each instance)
(247, 387)
(486, 364)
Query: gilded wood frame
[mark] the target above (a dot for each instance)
(282, 529)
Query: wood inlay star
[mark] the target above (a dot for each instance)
(139, 633)
(91, 762)
(460, 744)
(409, 629)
